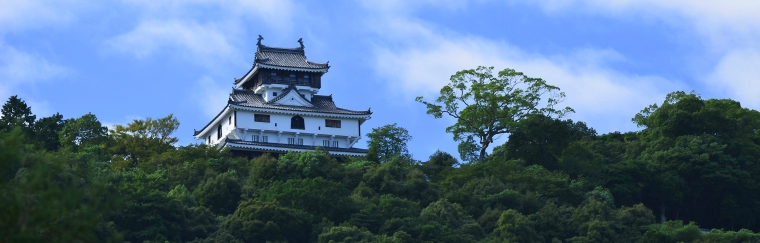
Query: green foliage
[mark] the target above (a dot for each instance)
(16, 113)
(51, 196)
(267, 221)
(346, 234)
(139, 141)
(486, 106)
(219, 194)
(180, 193)
(515, 227)
(440, 162)
(553, 181)
(84, 132)
(46, 132)
(387, 142)
(541, 139)
(308, 164)
(452, 217)
(672, 231)
(400, 178)
(319, 197)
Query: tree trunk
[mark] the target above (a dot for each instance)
(483, 151)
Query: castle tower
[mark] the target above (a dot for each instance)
(275, 108)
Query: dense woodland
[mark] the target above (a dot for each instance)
(694, 165)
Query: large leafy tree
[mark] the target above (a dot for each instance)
(139, 140)
(46, 131)
(487, 106)
(704, 152)
(541, 140)
(387, 142)
(83, 132)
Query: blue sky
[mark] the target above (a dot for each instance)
(132, 59)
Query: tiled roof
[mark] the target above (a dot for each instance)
(286, 57)
(196, 132)
(294, 146)
(321, 103)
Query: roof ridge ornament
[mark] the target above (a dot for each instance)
(300, 41)
(259, 41)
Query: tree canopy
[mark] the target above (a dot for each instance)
(693, 165)
(487, 106)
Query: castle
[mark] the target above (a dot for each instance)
(275, 108)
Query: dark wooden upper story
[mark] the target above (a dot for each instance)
(269, 76)
(289, 66)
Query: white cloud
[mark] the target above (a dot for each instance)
(209, 32)
(204, 41)
(33, 13)
(275, 12)
(212, 96)
(725, 24)
(21, 68)
(730, 30)
(605, 98)
(738, 74)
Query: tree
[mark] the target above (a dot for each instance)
(388, 141)
(539, 139)
(486, 106)
(141, 139)
(83, 132)
(255, 221)
(46, 131)
(219, 194)
(15, 112)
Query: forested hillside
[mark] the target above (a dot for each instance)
(695, 164)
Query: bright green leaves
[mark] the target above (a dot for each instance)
(387, 142)
(139, 141)
(486, 105)
(84, 132)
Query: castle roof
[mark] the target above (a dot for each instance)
(320, 103)
(293, 59)
(286, 58)
(278, 147)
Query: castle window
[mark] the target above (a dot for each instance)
(325, 143)
(291, 141)
(255, 138)
(274, 94)
(332, 123)
(300, 141)
(219, 132)
(297, 123)
(264, 139)
(261, 118)
(229, 120)
(335, 144)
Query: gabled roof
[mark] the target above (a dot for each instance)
(320, 103)
(286, 58)
(283, 59)
(293, 93)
